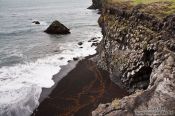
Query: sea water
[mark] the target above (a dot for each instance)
(29, 57)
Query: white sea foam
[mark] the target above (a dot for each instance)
(20, 85)
(43, 23)
(19, 102)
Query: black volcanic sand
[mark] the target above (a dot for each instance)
(80, 92)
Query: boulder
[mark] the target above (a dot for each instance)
(93, 39)
(57, 28)
(75, 58)
(94, 44)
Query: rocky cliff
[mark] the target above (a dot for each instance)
(138, 49)
(96, 4)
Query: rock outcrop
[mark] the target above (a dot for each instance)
(96, 4)
(57, 28)
(138, 49)
(36, 22)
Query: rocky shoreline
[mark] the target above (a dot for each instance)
(138, 49)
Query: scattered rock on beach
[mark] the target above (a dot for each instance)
(94, 44)
(94, 39)
(61, 58)
(57, 28)
(75, 58)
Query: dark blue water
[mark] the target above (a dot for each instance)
(29, 57)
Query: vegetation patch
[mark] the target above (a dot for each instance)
(138, 1)
(150, 1)
(116, 103)
(159, 8)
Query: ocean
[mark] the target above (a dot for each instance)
(29, 57)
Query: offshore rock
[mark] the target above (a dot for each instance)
(36, 22)
(57, 28)
(80, 43)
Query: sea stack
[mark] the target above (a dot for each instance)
(57, 28)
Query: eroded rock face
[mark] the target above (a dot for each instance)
(138, 49)
(57, 28)
(159, 97)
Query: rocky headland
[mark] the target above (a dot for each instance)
(96, 4)
(138, 50)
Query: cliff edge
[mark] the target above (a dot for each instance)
(138, 49)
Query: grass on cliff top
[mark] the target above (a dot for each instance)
(135, 2)
(159, 8)
(150, 1)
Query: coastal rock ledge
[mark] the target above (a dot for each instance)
(138, 49)
(57, 28)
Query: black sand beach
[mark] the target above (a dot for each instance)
(79, 92)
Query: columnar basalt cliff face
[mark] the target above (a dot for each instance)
(138, 49)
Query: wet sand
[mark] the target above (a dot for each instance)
(79, 92)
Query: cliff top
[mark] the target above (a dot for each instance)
(159, 8)
(139, 1)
